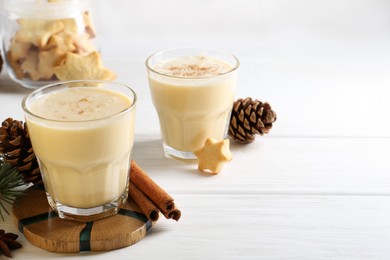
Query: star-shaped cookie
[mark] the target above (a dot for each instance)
(83, 67)
(213, 155)
(37, 31)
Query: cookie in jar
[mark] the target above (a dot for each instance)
(49, 41)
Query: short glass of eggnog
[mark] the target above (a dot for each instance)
(82, 133)
(193, 93)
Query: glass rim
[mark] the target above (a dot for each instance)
(235, 66)
(28, 112)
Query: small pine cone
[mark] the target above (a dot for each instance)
(250, 117)
(16, 149)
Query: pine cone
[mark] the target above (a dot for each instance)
(15, 145)
(8, 242)
(250, 117)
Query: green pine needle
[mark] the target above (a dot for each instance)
(9, 180)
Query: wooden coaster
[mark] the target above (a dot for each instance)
(43, 228)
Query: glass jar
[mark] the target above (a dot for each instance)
(40, 37)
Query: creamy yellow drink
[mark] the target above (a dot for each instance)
(193, 96)
(82, 137)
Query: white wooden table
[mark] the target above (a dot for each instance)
(316, 187)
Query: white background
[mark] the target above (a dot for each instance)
(316, 187)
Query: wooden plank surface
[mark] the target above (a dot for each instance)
(281, 165)
(260, 226)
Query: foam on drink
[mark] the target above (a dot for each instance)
(79, 104)
(193, 67)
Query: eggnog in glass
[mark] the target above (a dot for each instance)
(193, 93)
(82, 133)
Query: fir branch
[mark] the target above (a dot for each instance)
(9, 180)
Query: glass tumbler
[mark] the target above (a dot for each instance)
(82, 133)
(193, 92)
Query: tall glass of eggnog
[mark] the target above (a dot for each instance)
(193, 93)
(82, 134)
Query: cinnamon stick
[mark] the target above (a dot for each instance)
(155, 193)
(147, 207)
(175, 214)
